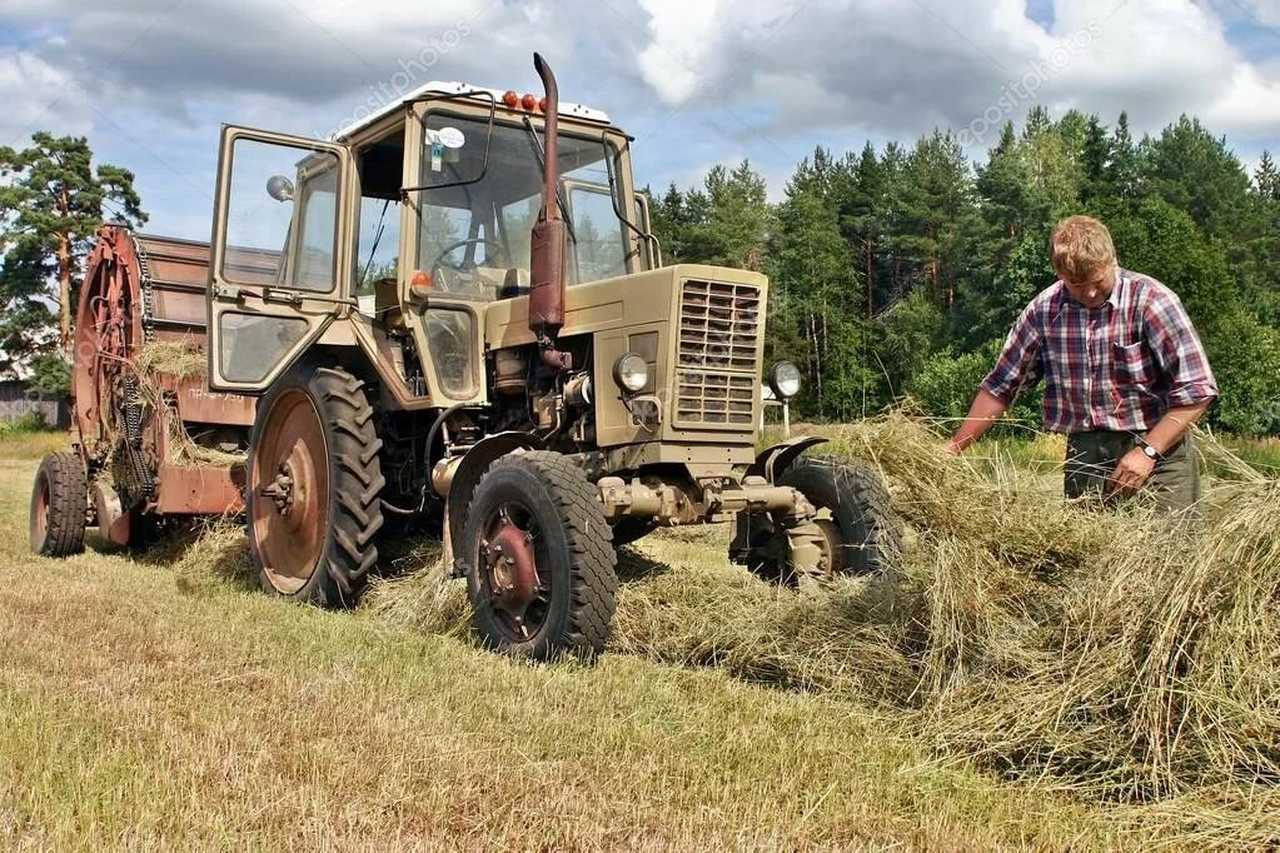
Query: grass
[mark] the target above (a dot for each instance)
(162, 702)
(31, 443)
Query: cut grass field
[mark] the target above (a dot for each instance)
(147, 704)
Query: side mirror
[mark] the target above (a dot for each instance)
(280, 188)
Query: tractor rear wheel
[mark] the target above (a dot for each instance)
(313, 498)
(539, 558)
(59, 502)
(860, 532)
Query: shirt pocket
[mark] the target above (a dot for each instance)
(1132, 368)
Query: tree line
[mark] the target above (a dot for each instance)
(897, 272)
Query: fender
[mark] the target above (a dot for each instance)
(476, 461)
(771, 463)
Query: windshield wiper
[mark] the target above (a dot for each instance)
(539, 153)
(382, 224)
(617, 209)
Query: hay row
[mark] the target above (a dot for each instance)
(1102, 654)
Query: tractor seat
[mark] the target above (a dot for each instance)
(514, 283)
(387, 304)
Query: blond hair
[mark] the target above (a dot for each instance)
(1079, 247)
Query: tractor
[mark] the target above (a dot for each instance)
(456, 308)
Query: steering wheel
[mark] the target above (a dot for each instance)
(439, 263)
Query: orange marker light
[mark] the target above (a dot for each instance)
(420, 285)
(542, 105)
(510, 98)
(529, 102)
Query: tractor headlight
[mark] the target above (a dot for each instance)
(631, 372)
(784, 379)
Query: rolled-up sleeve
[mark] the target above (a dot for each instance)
(1018, 366)
(1177, 350)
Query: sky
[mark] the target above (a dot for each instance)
(697, 82)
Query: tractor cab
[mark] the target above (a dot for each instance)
(410, 222)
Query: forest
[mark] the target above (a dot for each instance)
(896, 273)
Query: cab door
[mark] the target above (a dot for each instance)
(279, 270)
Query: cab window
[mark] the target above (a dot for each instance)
(475, 223)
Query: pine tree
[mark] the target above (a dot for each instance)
(667, 213)
(1198, 173)
(736, 224)
(50, 207)
(1004, 185)
(863, 215)
(1266, 179)
(1095, 155)
(1122, 171)
(1036, 123)
(893, 169)
(938, 212)
(816, 273)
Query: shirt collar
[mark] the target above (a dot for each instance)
(1114, 298)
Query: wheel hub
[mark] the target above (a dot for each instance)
(512, 569)
(831, 563)
(280, 489)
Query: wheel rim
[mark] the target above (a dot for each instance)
(507, 555)
(833, 558)
(40, 512)
(290, 492)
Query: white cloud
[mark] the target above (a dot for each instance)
(683, 38)
(36, 96)
(906, 67)
(698, 81)
(1267, 12)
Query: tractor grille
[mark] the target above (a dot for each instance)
(716, 367)
(718, 326)
(715, 398)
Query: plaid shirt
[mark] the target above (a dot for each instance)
(1117, 367)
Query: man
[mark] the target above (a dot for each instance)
(1125, 374)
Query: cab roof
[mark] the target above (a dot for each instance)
(456, 88)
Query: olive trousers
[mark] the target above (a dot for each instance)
(1092, 456)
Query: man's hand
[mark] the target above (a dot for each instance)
(1133, 470)
(954, 448)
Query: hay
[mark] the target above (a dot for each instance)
(1102, 654)
(178, 359)
(423, 598)
(214, 555)
(839, 640)
(181, 361)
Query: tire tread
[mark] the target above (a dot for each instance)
(68, 499)
(592, 559)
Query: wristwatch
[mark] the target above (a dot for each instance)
(1147, 450)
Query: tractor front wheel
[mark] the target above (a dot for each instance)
(860, 532)
(313, 498)
(539, 558)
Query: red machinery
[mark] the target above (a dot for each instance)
(152, 440)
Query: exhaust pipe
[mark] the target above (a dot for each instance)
(547, 244)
